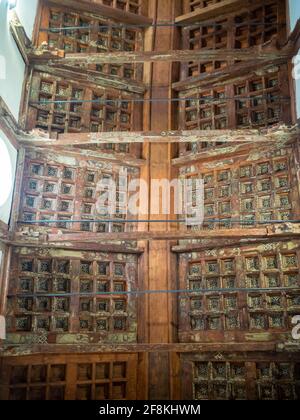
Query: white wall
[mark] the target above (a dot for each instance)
(294, 16)
(26, 10)
(6, 207)
(12, 67)
(12, 71)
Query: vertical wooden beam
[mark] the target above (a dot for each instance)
(5, 279)
(160, 306)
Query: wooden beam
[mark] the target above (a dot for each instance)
(230, 73)
(20, 240)
(8, 124)
(280, 230)
(205, 244)
(121, 158)
(95, 77)
(295, 37)
(229, 150)
(268, 52)
(278, 133)
(10, 350)
(97, 8)
(18, 32)
(214, 11)
(205, 13)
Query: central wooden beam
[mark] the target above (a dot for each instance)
(279, 133)
(11, 350)
(70, 59)
(276, 230)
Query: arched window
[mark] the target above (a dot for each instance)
(6, 176)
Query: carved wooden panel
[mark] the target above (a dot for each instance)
(214, 36)
(250, 190)
(224, 313)
(255, 26)
(54, 295)
(252, 102)
(70, 377)
(236, 377)
(91, 33)
(204, 110)
(70, 191)
(59, 105)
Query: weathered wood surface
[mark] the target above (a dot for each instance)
(24, 350)
(96, 78)
(233, 72)
(8, 124)
(20, 37)
(59, 57)
(121, 247)
(121, 158)
(3, 230)
(274, 134)
(229, 151)
(276, 230)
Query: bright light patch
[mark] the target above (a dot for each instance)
(6, 180)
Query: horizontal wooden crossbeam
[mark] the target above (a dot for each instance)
(92, 77)
(20, 240)
(115, 157)
(278, 133)
(280, 230)
(70, 59)
(12, 350)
